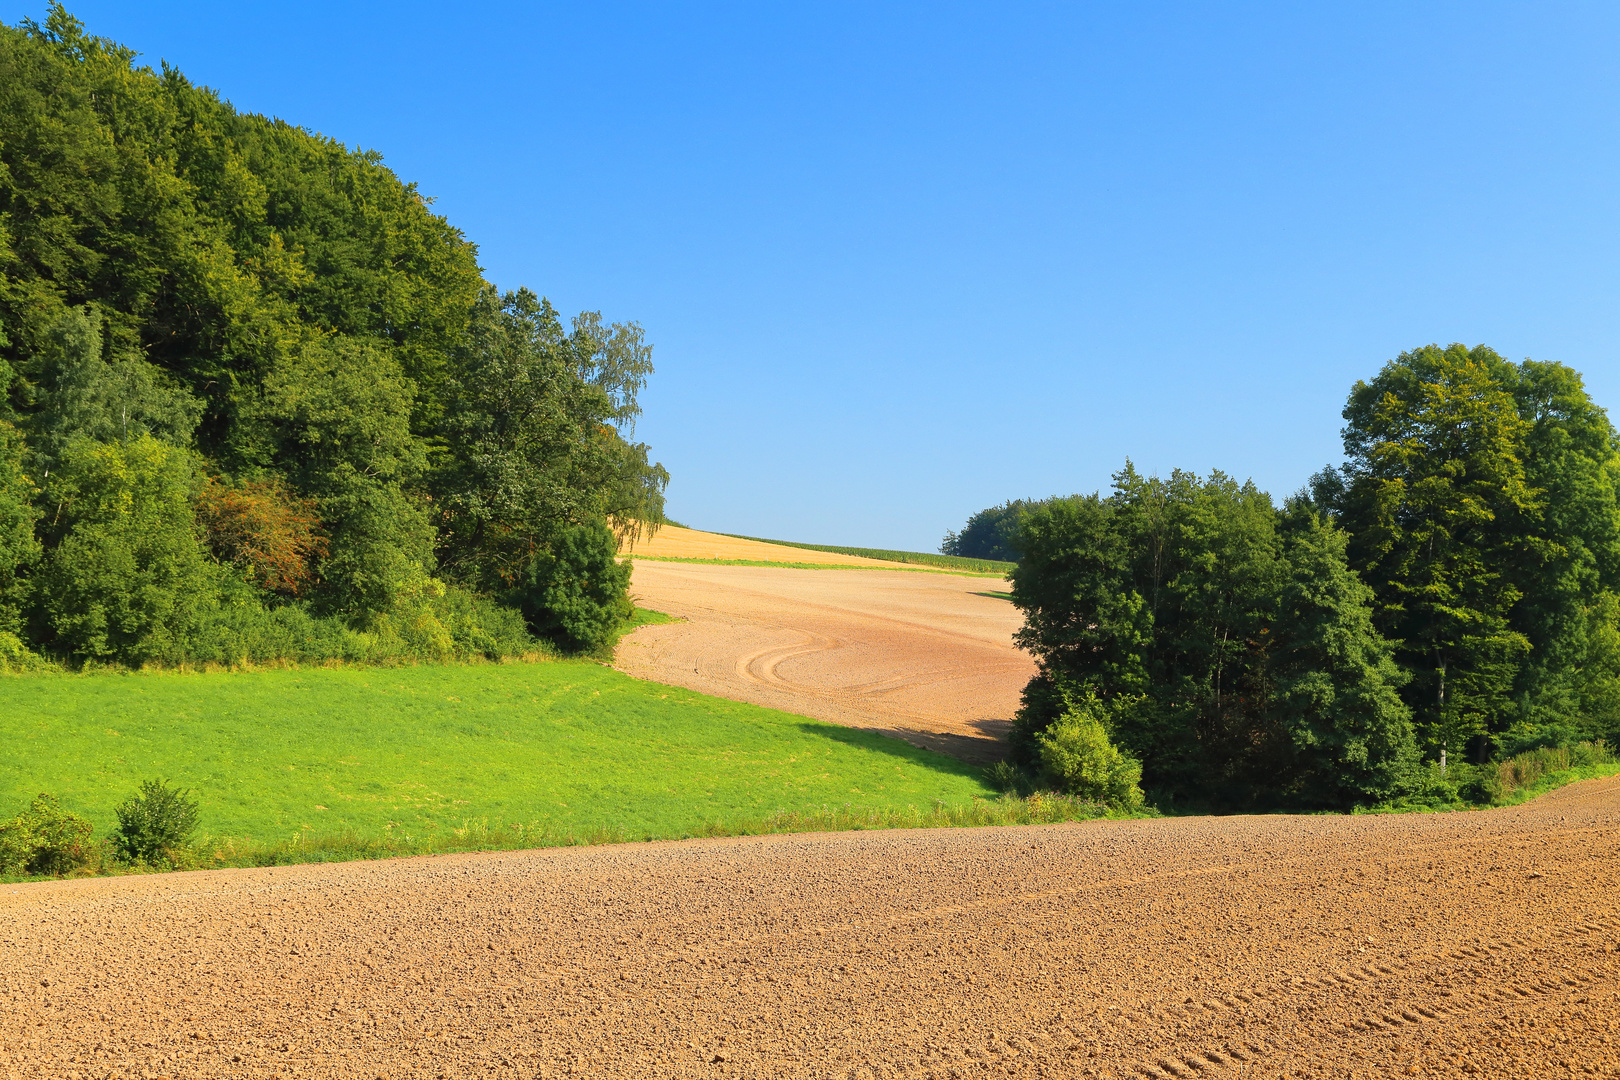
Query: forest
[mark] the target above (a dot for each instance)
(1446, 598)
(257, 401)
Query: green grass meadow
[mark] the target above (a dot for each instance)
(560, 749)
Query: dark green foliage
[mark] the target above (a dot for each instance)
(196, 302)
(528, 418)
(1229, 644)
(1461, 568)
(83, 398)
(19, 549)
(155, 824)
(1482, 499)
(1335, 680)
(575, 593)
(45, 839)
(992, 533)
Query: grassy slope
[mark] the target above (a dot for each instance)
(566, 747)
(922, 558)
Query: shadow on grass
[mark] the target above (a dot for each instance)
(936, 757)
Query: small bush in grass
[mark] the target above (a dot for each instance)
(45, 839)
(155, 824)
(1077, 754)
(1004, 776)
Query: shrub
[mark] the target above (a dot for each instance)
(45, 839)
(155, 824)
(1003, 776)
(577, 592)
(269, 533)
(1077, 754)
(16, 656)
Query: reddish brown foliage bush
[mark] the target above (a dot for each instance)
(264, 528)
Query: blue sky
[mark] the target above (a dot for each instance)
(904, 261)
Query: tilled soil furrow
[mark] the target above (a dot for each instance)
(1434, 945)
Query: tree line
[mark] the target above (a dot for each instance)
(1447, 596)
(257, 400)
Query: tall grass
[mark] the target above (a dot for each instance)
(1507, 782)
(1526, 773)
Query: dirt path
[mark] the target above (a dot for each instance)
(927, 657)
(1442, 945)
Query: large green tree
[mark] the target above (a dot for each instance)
(291, 327)
(1480, 497)
(1231, 643)
(532, 441)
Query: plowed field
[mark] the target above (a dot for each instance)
(1423, 945)
(674, 542)
(926, 657)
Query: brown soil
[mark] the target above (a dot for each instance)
(926, 657)
(674, 542)
(1423, 945)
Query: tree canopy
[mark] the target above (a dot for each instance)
(1234, 645)
(1482, 499)
(243, 366)
(1452, 589)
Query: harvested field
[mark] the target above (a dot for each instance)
(1442, 945)
(926, 657)
(674, 542)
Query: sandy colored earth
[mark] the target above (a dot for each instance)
(674, 542)
(926, 657)
(1443, 945)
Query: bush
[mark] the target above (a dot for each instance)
(578, 592)
(155, 824)
(1004, 776)
(15, 656)
(45, 839)
(1077, 754)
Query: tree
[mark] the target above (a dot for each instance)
(339, 418)
(1335, 683)
(84, 397)
(269, 534)
(1480, 498)
(992, 533)
(19, 549)
(128, 580)
(286, 317)
(529, 420)
(1231, 644)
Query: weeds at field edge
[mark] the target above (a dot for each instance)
(218, 853)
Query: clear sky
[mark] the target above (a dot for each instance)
(905, 261)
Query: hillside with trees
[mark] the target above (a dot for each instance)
(257, 401)
(1447, 597)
